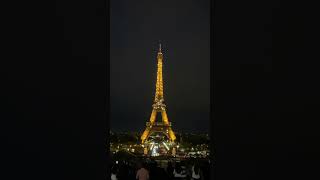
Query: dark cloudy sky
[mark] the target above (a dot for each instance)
(184, 30)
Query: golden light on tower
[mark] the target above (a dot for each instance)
(159, 107)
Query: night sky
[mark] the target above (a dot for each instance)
(183, 27)
(265, 74)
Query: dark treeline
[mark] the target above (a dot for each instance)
(134, 137)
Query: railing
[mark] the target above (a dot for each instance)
(158, 124)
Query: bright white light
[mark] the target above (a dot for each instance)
(165, 146)
(154, 151)
(151, 147)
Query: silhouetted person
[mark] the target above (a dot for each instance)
(206, 170)
(123, 172)
(157, 173)
(142, 173)
(170, 170)
(153, 169)
(132, 172)
(179, 173)
(196, 172)
(114, 172)
(186, 169)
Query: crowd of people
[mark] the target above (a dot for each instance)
(142, 170)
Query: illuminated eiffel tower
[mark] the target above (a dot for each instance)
(159, 108)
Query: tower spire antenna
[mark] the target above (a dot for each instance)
(159, 46)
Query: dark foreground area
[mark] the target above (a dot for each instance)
(165, 169)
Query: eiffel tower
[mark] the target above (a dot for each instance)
(158, 108)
